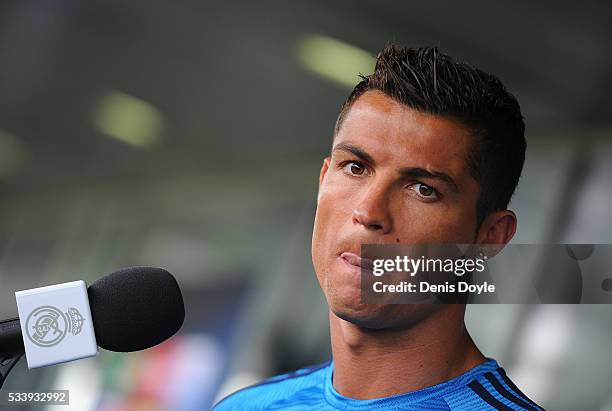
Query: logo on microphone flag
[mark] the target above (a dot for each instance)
(47, 325)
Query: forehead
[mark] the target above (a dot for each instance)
(395, 134)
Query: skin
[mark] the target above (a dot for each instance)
(396, 175)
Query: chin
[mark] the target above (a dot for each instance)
(363, 315)
(362, 321)
(388, 316)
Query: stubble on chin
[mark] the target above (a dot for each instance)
(384, 316)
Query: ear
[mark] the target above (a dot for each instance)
(498, 228)
(324, 169)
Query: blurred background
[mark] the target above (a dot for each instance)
(189, 135)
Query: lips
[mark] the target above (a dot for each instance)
(356, 261)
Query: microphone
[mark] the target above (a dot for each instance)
(129, 310)
(135, 308)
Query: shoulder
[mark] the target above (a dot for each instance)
(492, 390)
(302, 383)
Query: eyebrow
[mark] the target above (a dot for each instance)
(356, 151)
(411, 172)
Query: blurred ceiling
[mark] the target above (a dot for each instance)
(225, 92)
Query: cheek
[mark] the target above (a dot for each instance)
(333, 210)
(333, 203)
(325, 217)
(321, 224)
(429, 223)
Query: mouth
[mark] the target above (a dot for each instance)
(356, 262)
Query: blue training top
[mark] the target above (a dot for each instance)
(484, 387)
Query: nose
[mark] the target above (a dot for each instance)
(372, 212)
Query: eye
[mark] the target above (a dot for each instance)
(353, 168)
(425, 191)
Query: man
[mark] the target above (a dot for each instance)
(426, 150)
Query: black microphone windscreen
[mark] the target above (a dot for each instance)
(135, 308)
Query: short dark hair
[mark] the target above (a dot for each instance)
(430, 81)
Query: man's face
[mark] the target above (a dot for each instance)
(395, 175)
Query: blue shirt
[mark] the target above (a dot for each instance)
(484, 387)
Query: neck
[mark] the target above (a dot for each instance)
(372, 363)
